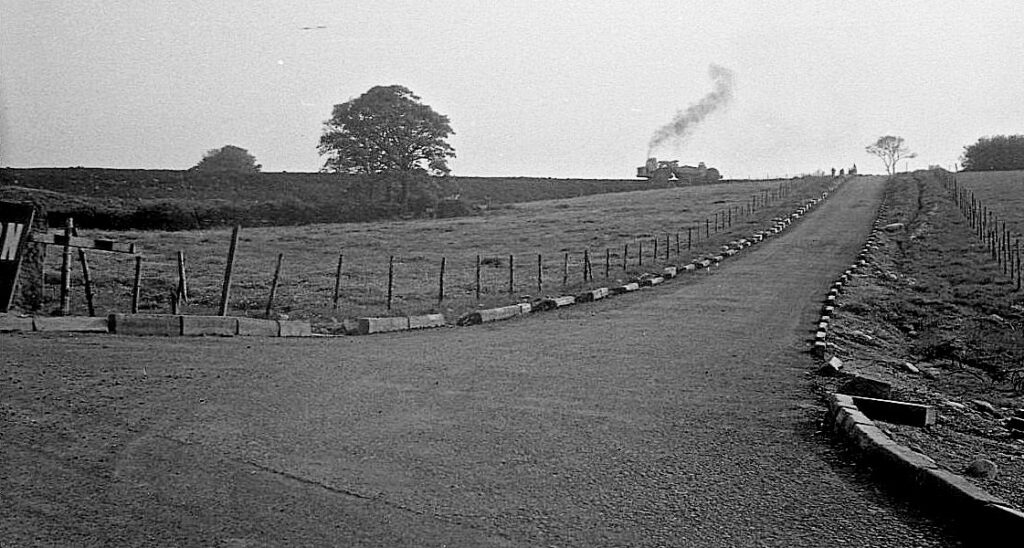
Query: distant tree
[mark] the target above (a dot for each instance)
(386, 129)
(890, 149)
(999, 153)
(228, 158)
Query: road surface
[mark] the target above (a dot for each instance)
(681, 416)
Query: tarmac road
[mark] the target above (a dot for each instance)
(681, 416)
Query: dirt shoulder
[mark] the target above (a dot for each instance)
(932, 298)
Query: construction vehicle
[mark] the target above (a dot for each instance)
(665, 170)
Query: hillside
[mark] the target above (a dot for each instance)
(174, 200)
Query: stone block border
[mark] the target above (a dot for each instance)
(989, 513)
(159, 325)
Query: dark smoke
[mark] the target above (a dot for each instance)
(685, 120)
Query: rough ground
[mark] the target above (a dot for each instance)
(684, 416)
(932, 297)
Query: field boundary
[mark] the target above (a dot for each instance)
(200, 325)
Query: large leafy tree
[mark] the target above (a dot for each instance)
(890, 149)
(387, 129)
(228, 158)
(999, 153)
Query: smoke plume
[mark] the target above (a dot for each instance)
(686, 120)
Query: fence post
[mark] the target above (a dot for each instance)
(478, 277)
(65, 269)
(540, 274)
(225, 291)
(668, 246)
(625, 256)
(440, 283)
(337, 282)
(87, 280)
(565, 269)
(273, 285)
(689, 237)
(182, 279)
(511, 275)
(607, 261)
(137, 284)
(586, 264)
(391, 279)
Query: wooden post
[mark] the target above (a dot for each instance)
(273, 285)
(440, 283)
(668, 246)
(707, 228)
(478, 277)
(87, 280)
(730, 216)
(586, 265)
(337, 282)
(225, 291)
(607, 261)
(511, 274)
(689, 237)
(677, 243)
(65, 269)
(391, 279)
(182, 280)
(655, 248)
(540, 274)
(1017, 244)
(565, 269)
(640, 253)
(137, 284)
(625, 256)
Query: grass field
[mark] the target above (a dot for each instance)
(600, 223)
(1002, 192)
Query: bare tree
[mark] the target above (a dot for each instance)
(891, 150)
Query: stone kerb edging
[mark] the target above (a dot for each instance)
(165, 325)
(998, 518)
(995, 515)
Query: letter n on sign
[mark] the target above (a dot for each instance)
(15, 226)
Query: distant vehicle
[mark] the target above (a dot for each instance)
(666, 170)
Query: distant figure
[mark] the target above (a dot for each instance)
(842, 172)
(833, 172)
(853, 170)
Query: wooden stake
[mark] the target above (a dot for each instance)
(182, 280)
(225, 290)
(565, 269)
(511, 274)
(87, 280)
(391, 279)
(440, 283)
(337, 282)
(607, 261)
(625, 256)
(273, 285)
(540, 274)
(478, 277)
(65, 269)
(137, 284)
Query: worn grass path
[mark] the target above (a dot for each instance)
(676, 417)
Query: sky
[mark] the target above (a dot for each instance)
(533, 89)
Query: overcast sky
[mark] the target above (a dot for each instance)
(551, 89)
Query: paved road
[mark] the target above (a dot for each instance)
(676, 417)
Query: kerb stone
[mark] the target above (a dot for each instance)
(223, 326)
(77, 324)
(159, 325)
